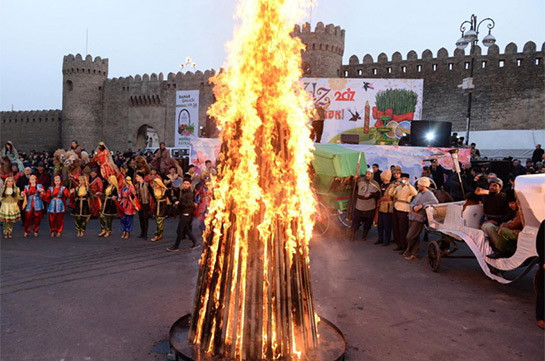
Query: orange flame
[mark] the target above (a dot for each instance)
(254, 284)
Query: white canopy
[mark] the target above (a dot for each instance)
(518, 144)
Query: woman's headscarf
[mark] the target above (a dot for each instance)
(128, 181)
(158, 182)
(113, 181)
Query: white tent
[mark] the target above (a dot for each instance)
(518, 144)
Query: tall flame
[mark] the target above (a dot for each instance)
(254, 298)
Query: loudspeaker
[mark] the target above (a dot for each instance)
(350, 138)
(430, 133)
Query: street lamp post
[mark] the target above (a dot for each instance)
(472, 36)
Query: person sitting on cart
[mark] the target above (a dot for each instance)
(417, 217)
(504, 240)
(366, 204)
(495, 205)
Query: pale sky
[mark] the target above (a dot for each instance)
(140, 36)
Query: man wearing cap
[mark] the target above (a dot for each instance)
(417, 217)
(366, 203)
(43, 177)
(402, 195)
(495, 208)
(495, 205)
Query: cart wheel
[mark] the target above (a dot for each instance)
(321, 220)
(343, 218)
(434, 256)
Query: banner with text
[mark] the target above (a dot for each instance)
(379, 111)
(187, 117)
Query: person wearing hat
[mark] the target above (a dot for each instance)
(504, 239)
(495, 205)
(43, 177)
(495, 208)
(366, 204)
(81, 210)
(161, 197)
(96, 187)
(401, 195)
(109, 207)
(385, 209)
(417, 217)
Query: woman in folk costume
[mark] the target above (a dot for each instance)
(33, 205)
(109, 207)
(202, 198)
(104, 159)
(96, 186)
(9, 209)
(11, 153)
(162, 200)
(56, 195)
(82, 210)
(130, 205)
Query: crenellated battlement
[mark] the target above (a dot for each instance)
(171, 77)
(444, 64)
(77, 65)
(31, 116)
(325, 38)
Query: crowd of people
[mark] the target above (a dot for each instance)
(388, 200)
(102, 186)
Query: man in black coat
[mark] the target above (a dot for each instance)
(537, 155)
(186, 207)
(438, 173)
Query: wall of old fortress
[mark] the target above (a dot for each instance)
(509, 93)
(37, 129)
(509, 86)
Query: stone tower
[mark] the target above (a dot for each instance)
(325, 48)
(82, 90)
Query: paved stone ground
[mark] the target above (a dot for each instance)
(89, 298)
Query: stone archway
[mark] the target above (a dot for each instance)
(147, 137)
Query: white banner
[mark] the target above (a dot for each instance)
(187, 117)
(379, 111)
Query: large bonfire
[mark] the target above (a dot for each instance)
(253, 299)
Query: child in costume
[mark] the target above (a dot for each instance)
(162, 200)
(129, 203)
(9, 209)
(56, 195)
(33, 205)
(82, 210)
(109, 207)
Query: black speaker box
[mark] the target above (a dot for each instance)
(350, 138)
(430, 133)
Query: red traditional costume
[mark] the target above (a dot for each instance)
(96, 186)
(56, 197)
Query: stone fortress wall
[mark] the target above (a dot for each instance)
(509, 87)
(509, 93)
(35, 129)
